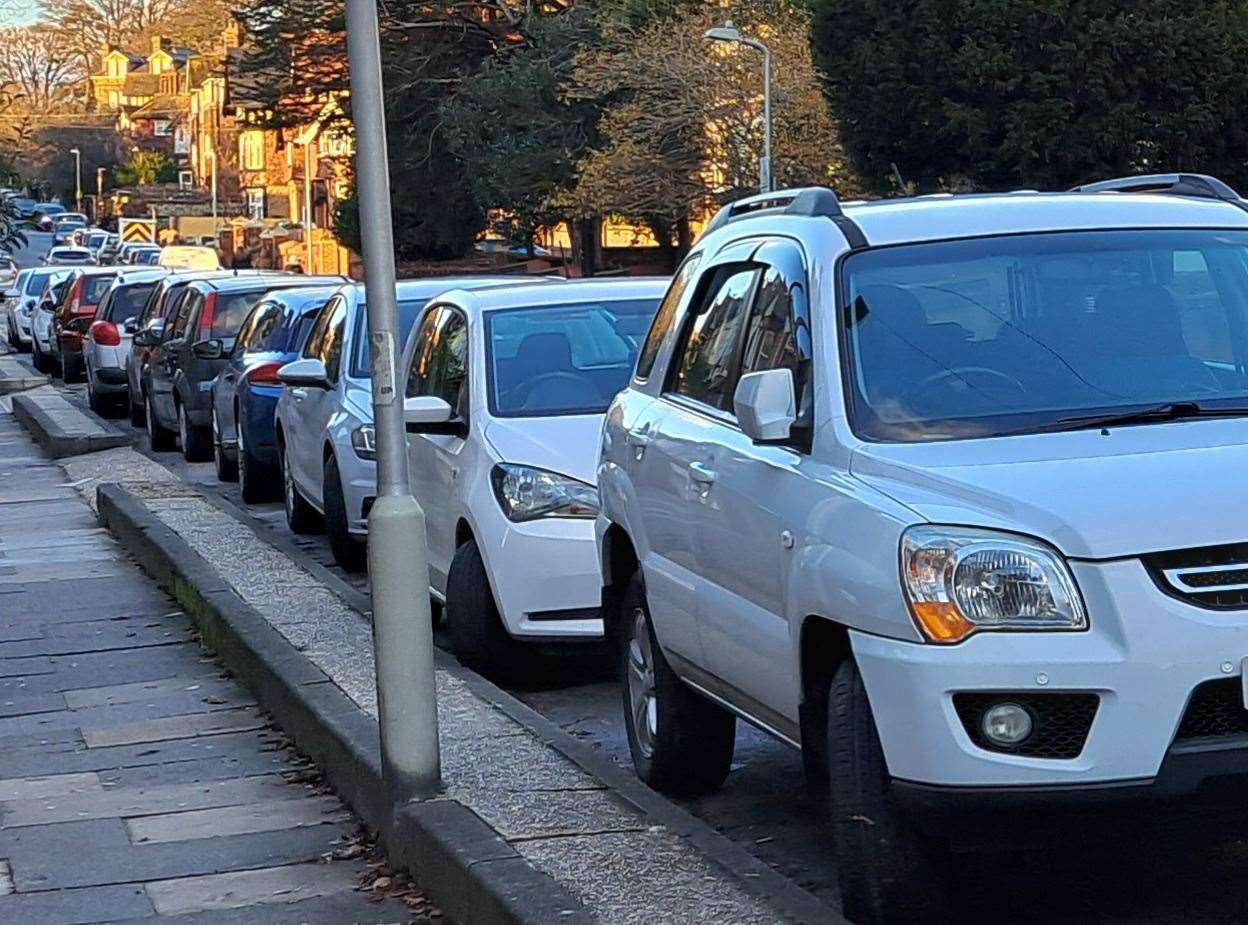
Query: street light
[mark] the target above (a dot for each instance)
(730, 33)
(77, 178)
(212, 158)
(407, 707)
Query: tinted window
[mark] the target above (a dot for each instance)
(258, 327)
(665, 316)
(409, 311)
(320, 325)
(94, 288)
(563, 359)
(708, 357)
(35, 283)
(440, 361)
(126, 302)
(1003, 335)
(230, 312)
(187, 304)
(331, 347)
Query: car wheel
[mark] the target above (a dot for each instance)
(138, 413)
(162, 438)
(301, 517)
(94, 401)
(888, 871)
(349, 553)
(227, 469)
(38, 358)
(681, 742)
(256, 481)
(195, 442)
(475, 626)
(69, 369)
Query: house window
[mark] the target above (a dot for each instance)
(251, 150)
(114, 99)
(186, 179)
(161, 127)
(255, 203)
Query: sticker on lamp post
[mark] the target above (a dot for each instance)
(383, 368)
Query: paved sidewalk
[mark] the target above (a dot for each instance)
(136, 782)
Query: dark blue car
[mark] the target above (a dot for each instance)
(245, 393)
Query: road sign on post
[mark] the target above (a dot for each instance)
(137, 230)
(397, 561)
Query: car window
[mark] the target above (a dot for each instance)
(230, 310)
(665, 316)
(125, 302)
(409, 311)
(188, 304)
(1024, 333)
(316, 337)
(260, 323)
(440, 361)
(707, 368)
(563, 359)
(331, 347)
(95, 287)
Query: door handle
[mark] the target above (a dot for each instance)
(639, 437)
(701, 473)
(298, 394)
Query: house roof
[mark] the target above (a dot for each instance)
(141, 83)
(163, 106)
(202, 67)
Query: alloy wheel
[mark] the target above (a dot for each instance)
(217, 451)
(183, 430)
(288, 486)
(240, 455)
(641, 686)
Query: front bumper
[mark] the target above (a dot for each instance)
(1143, 656)
(359, 488)
(544, 574)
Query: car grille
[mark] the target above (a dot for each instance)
(1061, 721)
(1215, 710)
(1215, 577)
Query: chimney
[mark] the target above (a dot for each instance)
(160, 43)
(235, 30)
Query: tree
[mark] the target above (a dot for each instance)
(35, 69)
(146, 167)
(1035, 93)
(86, 26)
(683, 128)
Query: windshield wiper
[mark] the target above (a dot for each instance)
(1171, 411)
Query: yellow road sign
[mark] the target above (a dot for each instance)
(138, 231)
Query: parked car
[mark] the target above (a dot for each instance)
(189, 257)
(107, 254)
(93, 239)
(74, 315)
(107, 343)
(64, 229)
(325, 419)
(32, 284)
(945, 492)
(43, 341)
(45, 214)
(505, 394)
(193, 348)
(66, 255)
(160, 306)
(245, 394)
(128, 251)
(24, 205)
(8, 270)
(17, 312)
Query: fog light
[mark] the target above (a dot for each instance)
(1006, 724)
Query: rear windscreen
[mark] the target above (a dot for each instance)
(94, 288)
(128, 301)
(231, 312)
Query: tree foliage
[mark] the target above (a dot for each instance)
(1043, 93)
(146, 167)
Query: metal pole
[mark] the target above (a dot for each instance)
(307, 205)
(77, 178)
(212, 155)
(765, 165)
(99, 193)
(397, 559)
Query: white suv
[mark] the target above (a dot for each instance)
(946, 493)
(507, 387)
(324, 418)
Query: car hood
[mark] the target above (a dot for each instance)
(1123, 493)
(568, 445)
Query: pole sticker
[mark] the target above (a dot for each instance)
(383, 367)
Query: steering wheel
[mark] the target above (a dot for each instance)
(964, 375)
(520, 395)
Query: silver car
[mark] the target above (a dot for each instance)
(106, 345)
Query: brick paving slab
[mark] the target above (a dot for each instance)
(136, 781)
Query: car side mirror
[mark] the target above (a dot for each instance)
(208, 349)
(766, 405)
(308, 372)
(130, 325)
(424, 410)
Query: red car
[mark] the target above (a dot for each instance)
(75, 314)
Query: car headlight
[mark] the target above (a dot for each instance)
(960, 581)
(527, 493)
(364, 441)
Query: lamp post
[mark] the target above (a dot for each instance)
(407, 709)
(307, 204)
(212, 159)
(99, 193)
(730, 33)
(77, 178)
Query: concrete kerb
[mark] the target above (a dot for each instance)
(460, 861)
(14, 377)
(58, 440)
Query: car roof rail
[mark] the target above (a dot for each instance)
(810, 201)
(1173, 184)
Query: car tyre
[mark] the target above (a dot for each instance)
(257, 481)
(681, 742)
(349, 553)
(70, 371)
(196, 443)
(95, 402)
(475, 626)
(163, 439)
(227, 469)
(888, 871)
(38, 358)
(301, 517)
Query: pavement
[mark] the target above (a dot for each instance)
(137, 781)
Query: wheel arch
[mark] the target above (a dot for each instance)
(823, 645)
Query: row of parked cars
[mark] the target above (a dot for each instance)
(944, 492)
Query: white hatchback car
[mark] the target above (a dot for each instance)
(517, 380)
(107, 342)
(324, 425)
(947, 493)
(17, 310)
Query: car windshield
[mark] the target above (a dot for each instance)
(1028, 333)
(36, 281)
(408, 312)
(128, 301)
(563, 359)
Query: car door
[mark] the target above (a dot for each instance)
(164, 363)
(746, 515)
(439, 366)
(314, 407)
(671, 438)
